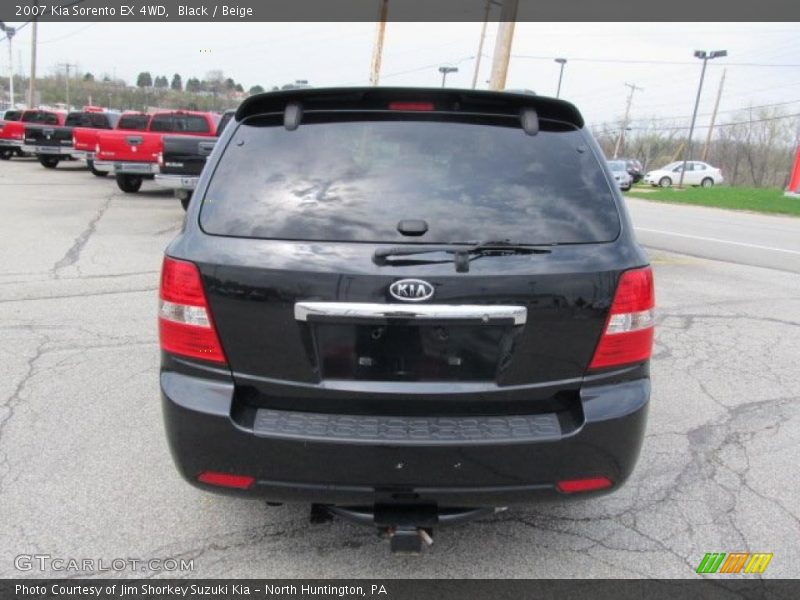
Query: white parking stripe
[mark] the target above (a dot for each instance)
(710, 239)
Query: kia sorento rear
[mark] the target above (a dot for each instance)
(406, 297)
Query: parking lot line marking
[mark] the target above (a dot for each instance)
(710, 239)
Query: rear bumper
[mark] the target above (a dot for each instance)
(176, 182)
(104, 165)
(358, 460)
(65, 151)
(135, 168)
(8, 143)
(82, 155)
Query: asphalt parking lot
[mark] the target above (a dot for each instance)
(85, 471)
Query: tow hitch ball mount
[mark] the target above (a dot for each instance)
(409, 527)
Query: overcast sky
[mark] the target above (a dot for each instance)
(339, 54)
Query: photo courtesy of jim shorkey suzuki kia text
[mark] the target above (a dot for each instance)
(190, 590)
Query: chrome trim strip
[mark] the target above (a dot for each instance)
(362, 310)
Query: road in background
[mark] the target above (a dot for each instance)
(85, 471)
(733, 236)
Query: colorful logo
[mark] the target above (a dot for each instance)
(734, 562)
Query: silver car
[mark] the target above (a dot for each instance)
(619, 169)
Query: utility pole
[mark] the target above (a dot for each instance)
(10, 31)
(626, 120)
(67, 66)
(502, 46)
(377, 50)
(705, 57)
(32, 82)
(714, 116)
(480, 44)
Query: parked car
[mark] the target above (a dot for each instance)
(183, 158)
(51, 145)
(619, 169)
(84, 139)
(12, 132)
(133, 157)
(423, 303)
(697, 173)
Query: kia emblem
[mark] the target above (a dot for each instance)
(411, 290)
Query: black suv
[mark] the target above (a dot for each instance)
(406, 305)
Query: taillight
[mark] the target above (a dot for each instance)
(239, 482)
(160, 159)
(184, 321)
(97, 148)
(628, 334)
(589, 484)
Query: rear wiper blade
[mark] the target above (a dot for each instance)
(461, 252)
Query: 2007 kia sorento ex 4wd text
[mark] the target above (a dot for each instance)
(394, 297)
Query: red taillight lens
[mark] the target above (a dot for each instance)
(184, 322)
(628, 334)
(413, 106)
(240, 482)
(590, 484)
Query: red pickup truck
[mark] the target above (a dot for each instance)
(84, 140)
(12, 132)
(133, 157)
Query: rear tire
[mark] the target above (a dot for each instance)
(665, 182)
(129, 184)
(707, 182)
(95, 172)
(6, 154)
(48, 162)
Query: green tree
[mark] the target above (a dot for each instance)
(256, 89)
(161, 82)
(177, 83)
(88, 77)
(144, 79)
(239, 87)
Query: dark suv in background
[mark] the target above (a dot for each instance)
(408, 305)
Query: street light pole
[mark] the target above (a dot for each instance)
(705, 57)
(562, 62)
(445, 71)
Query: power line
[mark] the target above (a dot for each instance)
(730, 110)
(762, 120)
(636, 61)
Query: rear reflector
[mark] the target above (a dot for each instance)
(413, 106)
(590, 484)
(239, 482)
(184, 322)
(628, 334)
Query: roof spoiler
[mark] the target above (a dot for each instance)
(293, 104)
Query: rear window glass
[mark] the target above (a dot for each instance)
(133, 122)
(180, 123)
(39, 116)
(355, 180)
(12, 115)
(87, 119)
